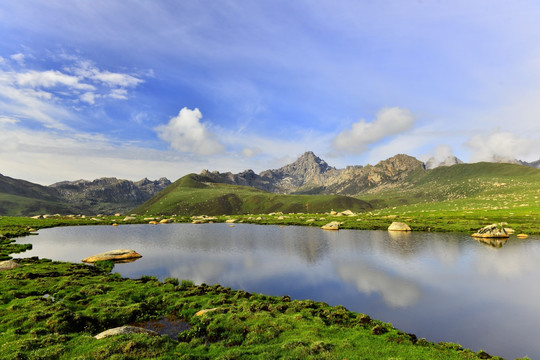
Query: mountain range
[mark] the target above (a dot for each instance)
(308, 175)
(105, 195)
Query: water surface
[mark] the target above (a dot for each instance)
(444, 287)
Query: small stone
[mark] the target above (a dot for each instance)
(204, 311)
(522, 236)
(125, 330)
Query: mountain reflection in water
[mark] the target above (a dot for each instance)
(441, 286)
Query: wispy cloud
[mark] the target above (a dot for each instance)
(389, 121)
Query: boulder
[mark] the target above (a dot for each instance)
(334, 225)
(113, 255)
(347, 213)
(125, 330)
(37, 217)
(399, 226)
(522, 236)
(491, 231)
(230, 221)
(165, 221)
(130, 218)
(8, 265)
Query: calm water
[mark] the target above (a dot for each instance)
(444, 287)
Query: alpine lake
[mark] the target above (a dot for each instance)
(441, 286)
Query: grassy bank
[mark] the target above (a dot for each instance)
(52, 310)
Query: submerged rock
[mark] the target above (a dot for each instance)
(125, 330)
(491, 231)
(114, 255)
(399, 226)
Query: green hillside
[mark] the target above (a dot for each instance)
(196, 195)
(19, 197)
(479, 185)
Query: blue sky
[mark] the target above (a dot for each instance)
(137, 89)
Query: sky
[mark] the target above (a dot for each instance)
(133, 89)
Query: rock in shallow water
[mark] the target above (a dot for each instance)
(491, 231)
(114, 255)
(399, 226)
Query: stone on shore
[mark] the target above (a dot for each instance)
(522, 236)
(113, 255)
(8, 265)
(204, 311)
(334, 225)
(399, 226)
(125, 330)
(491, 231)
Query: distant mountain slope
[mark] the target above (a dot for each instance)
(20, 197)
(312, 175)
(109, 194)
(495, 183)
(106, 195)
(197, 194)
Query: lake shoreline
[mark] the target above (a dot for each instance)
(406, 342)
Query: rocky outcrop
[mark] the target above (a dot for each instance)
(125, 330)
(113, 255)
(491, 231)
(311, 175)
(110, 190)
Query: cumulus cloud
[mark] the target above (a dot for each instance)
(186, 133)
(501, 146)
(389, 121)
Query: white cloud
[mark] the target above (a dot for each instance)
(88, 97)
(501, 145)
(116, 79)
(50, 78)
(250, 152)
(18, 58)
(186, 133)
(8, 120)
(389, 121)
(119, 94)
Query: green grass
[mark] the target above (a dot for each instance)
(192, 194)
(52, 310)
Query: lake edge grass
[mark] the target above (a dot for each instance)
(235, 345)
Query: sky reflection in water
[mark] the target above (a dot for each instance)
(445, 287)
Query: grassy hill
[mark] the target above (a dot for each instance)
(196, 195)
(19, 197)
(483, 184)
